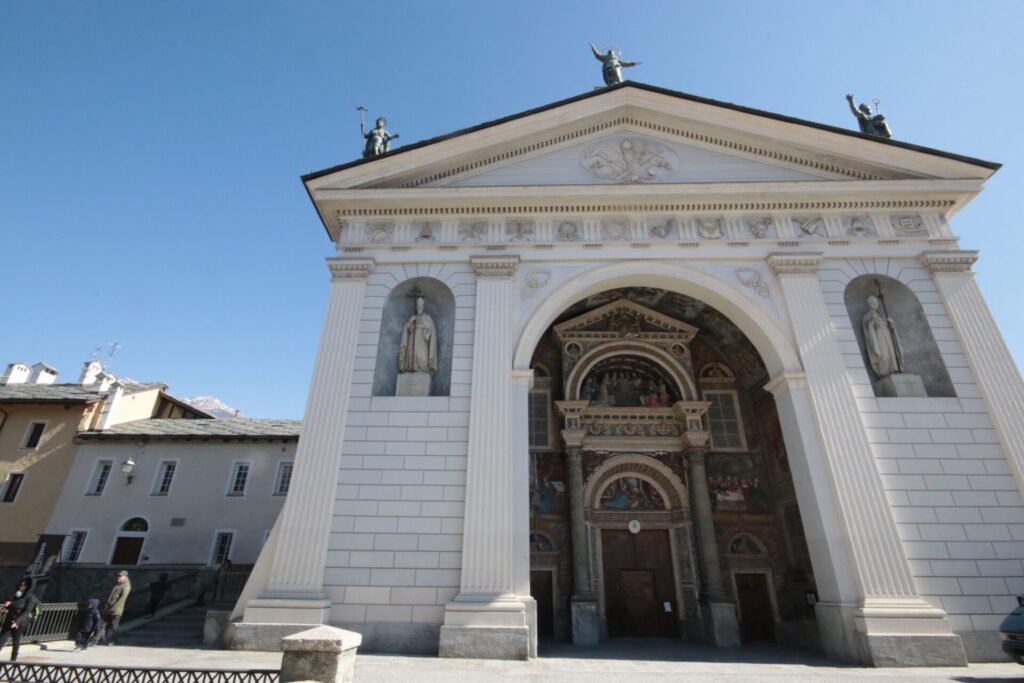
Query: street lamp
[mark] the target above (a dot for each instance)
(126, 469)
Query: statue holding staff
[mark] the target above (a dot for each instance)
(871, 124)
(378, 139)
(417, 351)
(611, 64)
(881, 341)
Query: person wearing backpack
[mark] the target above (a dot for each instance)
(91, 625)
(21, 608)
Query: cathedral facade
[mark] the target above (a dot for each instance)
(643, 364)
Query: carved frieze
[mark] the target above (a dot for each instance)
(629, 161)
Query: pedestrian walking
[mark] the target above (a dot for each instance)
(19, 608)
(157, 590)
(92, 624)
(113, 608)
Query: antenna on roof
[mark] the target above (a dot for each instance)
(114, 347)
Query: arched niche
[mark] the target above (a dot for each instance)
(668, 368)
(640, 467)
(439, 304)
(921, 355)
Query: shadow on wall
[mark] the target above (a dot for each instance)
(439, 304)
(919, 353)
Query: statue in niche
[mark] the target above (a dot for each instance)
(881, 341)
(870, 124)
(611, 64)
(417, 351)
(378, 140)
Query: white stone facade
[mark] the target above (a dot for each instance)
(911, 507)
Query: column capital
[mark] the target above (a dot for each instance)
(948, 261)
(523, 377)
(350, 268)
(794, 262)
(691, 413)
(494, 266)
(784, 381)
(696, 442)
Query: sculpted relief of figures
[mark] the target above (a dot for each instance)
(629, 160)
(417, 352)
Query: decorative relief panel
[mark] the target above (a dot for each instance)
(473, 232)
(858, 226)
(520, 231)
(710, 228)
(909, 225)
(568, 231)
(661, 229)
(762, 227)
(380, 233)
(629, 160)
(811, 226)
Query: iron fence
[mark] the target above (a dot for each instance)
(57, 621)
(32, 672)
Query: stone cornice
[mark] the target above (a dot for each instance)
(494, 266)
(350, 268)
(784, 381)
(948, 261)
(795, 262)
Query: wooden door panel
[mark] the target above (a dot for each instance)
(542, 590)
(757, 622)
(127, 550)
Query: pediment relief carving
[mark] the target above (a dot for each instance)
(624, 319)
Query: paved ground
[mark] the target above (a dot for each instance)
(619, 661)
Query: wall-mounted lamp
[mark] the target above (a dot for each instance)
(127, 467)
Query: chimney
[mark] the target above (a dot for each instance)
(42, 374)
(110, 404)
(90, 373)
(103, 382)
(16, 373)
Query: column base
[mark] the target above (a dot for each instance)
(485, 627)
(585, 627)
(906, 632)
(267, 620)
(839, 637)
(721, 626)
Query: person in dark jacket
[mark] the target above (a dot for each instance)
(157, 590)
(19, 610)
(91, 625)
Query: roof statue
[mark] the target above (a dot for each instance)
(612, 64)
(378, 140)
(870, 124)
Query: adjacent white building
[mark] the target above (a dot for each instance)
(700, 371)
(162, 491)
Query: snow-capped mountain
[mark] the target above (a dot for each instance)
(213, 406)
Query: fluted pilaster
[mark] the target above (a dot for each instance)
(993, 367)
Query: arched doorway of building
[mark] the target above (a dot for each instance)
(648, 420)
(130, 538)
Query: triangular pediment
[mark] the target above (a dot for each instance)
(623, 319)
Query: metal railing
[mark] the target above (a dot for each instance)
(57, 622)
(32, 672)
(230, 582)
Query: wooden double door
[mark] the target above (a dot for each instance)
(639, 584)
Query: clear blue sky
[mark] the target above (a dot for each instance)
(150, 152)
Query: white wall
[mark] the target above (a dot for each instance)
(198, 493)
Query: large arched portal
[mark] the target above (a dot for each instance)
(661, 500)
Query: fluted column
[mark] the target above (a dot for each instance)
(721, 626)
(896, 623)
(486, 618)
(522, 382)
(993, 367)
(294, 591)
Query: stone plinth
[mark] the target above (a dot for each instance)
(902, 385)
(723, 628)
(413, 384)
(324, 654)
(585, 623)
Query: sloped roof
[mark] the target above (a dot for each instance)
(664, 91)
(64, 393)
(214, 428)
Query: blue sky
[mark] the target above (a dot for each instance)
(151, 151)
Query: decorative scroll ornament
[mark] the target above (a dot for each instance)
(809, 226)
(473, 231)
(759, 228)
(753, 279)
(567, 232)
(380, 233)
(629, 160)
(710, 228)
(534, 280)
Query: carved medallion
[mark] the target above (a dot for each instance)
(567, 232)
(753, 279)
(629, 160)
(710, 228)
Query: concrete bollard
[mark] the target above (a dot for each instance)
(324, 654)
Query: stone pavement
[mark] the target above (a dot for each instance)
(618, 661)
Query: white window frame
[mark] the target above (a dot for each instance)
(280, 475)
(159, 479)
(213, 545)
(231, 493)
(90, 487)
(28, 434)
(69, 545)
(7, 486)
(739, 422)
